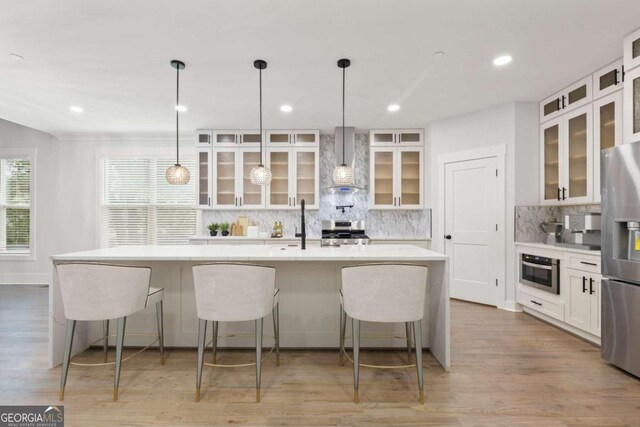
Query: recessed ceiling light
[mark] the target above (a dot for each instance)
(439, 54)
(16, 57)
(502, 60)
(393, 107)
(181, 108)
(286, 108)
(76, 109)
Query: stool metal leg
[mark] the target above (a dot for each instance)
(202, 338)
(356, 358)
(417, 333)
(276, 331)
(160, 321)
(122, 322)
(343, 327)
(105, 331)
(68, 341)
(258, 356)
(214, 342)
(407, 328)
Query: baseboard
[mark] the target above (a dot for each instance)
(24, 279)
(512, 306)
(578, 333)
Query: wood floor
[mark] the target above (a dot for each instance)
(507, 369)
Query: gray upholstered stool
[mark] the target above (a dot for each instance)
(93, 292)
(233, 293)
(383, 293)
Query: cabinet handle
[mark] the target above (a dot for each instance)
(564, 196)
(623, 73)
(536, 303)
(591, 291)
(289, 201)
(240, 201)
(584, 284)
(209, 201)
(394, 201)
(236, 201)
(558, 105)
(558, 193)
(564, 105)
(589, 263)
(399, 201)
(615, 77)
(294, 201)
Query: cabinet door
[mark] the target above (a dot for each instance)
(305, 174)
(250, 196)
(579, 300)
(410, 172)
(204, 178)
(550, 107)
(279, 138)
(578, 156)
(577, 95)
(632, 50)
(607, 80)
(224, 178)
(607, 132)
(308, 138)
(410, 137)
(382, 181)
(279, 191)
(203, 138)
(382, 138)
(594, 290)
(249, 137)
(223, 138)
(550, 134)
(631, 107)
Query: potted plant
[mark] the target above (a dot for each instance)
(213, 228)
(224, 228)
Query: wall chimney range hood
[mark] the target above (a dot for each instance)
(349, 157)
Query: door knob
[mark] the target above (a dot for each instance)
(447, 236)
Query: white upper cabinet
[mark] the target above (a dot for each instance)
(230, 186)
(296, 173)
(203, 138)
(232, 138)
(396, 178)
(396, 137)
(566, 145)
(631, 108)
(631, 49)
(608, 79)
(298, 138)
(572, 97)
(204, 177)
(607, 132)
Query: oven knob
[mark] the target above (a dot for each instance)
(345, 241)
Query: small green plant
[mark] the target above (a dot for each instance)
(213, 227)
(224, 227)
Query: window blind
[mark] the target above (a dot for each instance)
(15, 205)
(139, 207)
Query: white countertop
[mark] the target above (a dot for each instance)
(391, 238)
(558, 248)
(255, 253)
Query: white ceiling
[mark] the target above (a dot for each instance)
(112, 58)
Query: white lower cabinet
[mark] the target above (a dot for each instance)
(551, 305)
(583, 300)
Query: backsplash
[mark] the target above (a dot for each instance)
(528, 219)
(410, 224)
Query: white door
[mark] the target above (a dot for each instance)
(471, 218)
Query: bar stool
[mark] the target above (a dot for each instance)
(93, 292)
(234, 293)
(386, 293)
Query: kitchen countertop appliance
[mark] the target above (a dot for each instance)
(620, 190)
(336, 233)
(585, 231)
(553, 231)
(540, 272)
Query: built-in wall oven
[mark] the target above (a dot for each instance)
(540, 272)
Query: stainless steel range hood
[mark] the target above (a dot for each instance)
(349, 158)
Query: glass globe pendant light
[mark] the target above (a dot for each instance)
(343, 174)
(177, 174)
(260, 175)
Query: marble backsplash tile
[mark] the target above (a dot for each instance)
(528, 219)
(411, 224)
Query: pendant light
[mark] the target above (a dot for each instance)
(260, 175)
(177, 174)
(343, 174)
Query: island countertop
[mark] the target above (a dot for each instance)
(255, 253)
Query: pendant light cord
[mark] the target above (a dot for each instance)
(261, 162)
(343, 141)
(177, 113)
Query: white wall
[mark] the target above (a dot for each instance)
(512, 125)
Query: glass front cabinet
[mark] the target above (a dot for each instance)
(231, 187)
(296, 173)
(396, 138)
(631, 49)
(631, 107)
(396, 178)
(607, 132)
(572, 97)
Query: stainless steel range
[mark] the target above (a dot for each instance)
(336, 233)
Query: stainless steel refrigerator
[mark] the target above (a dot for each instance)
(620, 185)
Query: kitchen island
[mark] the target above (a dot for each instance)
(308, 280)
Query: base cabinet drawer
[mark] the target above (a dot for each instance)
(546, 306)
(588, 263)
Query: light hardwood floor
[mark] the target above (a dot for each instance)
(507, 369)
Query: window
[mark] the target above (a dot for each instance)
(15, 205)
(139, 207)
